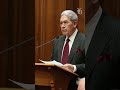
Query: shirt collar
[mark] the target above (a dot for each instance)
(72, 37)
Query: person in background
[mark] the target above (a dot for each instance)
(69, 47)
(102, 49)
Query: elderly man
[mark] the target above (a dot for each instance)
(69, 47)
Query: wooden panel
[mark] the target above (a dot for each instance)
(81, 22)
(37, 28)
(46, 77)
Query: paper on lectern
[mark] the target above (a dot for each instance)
(52, 62)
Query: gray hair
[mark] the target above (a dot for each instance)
(72, 15)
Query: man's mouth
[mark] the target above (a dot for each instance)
(64, 30)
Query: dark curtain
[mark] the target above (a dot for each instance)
(17, 41)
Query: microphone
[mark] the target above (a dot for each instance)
(47, 42)
(19, 44)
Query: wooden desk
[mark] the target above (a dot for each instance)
(52, 76)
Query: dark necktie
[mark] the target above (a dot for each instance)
(65, 52)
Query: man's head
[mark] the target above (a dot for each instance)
(91, 7)
(68, 22)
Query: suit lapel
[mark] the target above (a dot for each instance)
(99, 40)
(74, 47)
(60, 47)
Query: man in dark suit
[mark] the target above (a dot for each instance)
(102, 48)
(75, 54)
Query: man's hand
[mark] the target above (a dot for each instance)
(68, 67)
(81, 84)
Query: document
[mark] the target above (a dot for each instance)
(52, 62)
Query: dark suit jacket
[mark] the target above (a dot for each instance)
(77, 50)
(103, 56)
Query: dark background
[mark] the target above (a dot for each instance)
(16, 26)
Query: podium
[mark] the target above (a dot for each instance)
(52, 76)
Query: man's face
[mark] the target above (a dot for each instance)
(67, 26)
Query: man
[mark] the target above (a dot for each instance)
(102, 48)
(73, 57)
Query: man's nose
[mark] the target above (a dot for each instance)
(63, 25)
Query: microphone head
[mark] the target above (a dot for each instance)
(56, 38)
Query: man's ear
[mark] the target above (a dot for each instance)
(75, 23)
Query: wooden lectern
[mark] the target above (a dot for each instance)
(52, 76)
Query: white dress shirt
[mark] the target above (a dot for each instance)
(71, 38)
